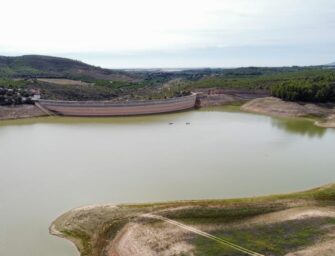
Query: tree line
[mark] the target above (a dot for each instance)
(320, 89)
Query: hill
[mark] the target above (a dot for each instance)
(62, 78)
(31, 66)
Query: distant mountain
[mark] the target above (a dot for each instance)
(331, 64)
(30, 66)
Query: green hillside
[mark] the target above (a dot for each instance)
(32, 66)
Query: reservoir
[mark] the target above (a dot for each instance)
(50, 165)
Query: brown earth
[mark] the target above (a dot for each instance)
(276, 107)
(126, 230)
(162, 238)
(62, 81)
(328, 122)
(217, 97)
(20, 111)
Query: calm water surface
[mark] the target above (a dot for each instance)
(50, 165)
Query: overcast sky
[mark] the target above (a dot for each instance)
(172, 33)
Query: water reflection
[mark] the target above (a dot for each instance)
(299, 126)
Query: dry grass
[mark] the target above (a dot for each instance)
(109, 230)
(62, 81)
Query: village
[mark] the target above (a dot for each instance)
(14, 96)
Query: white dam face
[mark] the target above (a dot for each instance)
(51, 165)
(127, 108)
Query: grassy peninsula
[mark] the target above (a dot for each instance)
(300, 223)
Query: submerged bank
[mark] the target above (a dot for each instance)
(125, 229)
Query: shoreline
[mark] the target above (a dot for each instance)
(322, 116)
(104, 230)
(20, 112)
(270, 106)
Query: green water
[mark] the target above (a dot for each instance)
(50, 165)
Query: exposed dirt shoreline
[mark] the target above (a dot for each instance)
(106, 230)
(324, 115)
(21, 111)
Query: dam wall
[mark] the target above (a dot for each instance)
(126, 108)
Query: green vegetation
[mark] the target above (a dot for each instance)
(264, 78)
(289, 83)
(12, 84)
(222, 215)
(94, 227)
(316, 89)
(273, 239)
(84, 238)
(32, 66)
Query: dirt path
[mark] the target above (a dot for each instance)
(170, 237)
(204, 234)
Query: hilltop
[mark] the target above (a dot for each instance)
(31, 66)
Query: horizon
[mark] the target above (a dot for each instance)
(170, 69)
(175, 34)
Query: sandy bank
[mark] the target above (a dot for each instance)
(21, 111)
(277, 107)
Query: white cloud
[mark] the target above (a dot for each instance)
(126, 26)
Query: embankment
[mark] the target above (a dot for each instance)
(20, 111)
(217, 97)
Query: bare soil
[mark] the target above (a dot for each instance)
(21, 111)
(162, 238)
(328, 122)
(276, 107)
(62, 81)
(218, 97)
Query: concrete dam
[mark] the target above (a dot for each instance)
(126, 108)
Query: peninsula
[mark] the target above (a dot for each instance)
(295, 224)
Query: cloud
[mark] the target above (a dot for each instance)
(128, 26)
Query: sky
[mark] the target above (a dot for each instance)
(172, 33)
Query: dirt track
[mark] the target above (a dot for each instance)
(254, 223)
(145, 240)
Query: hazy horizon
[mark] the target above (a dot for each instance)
(173, 34)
